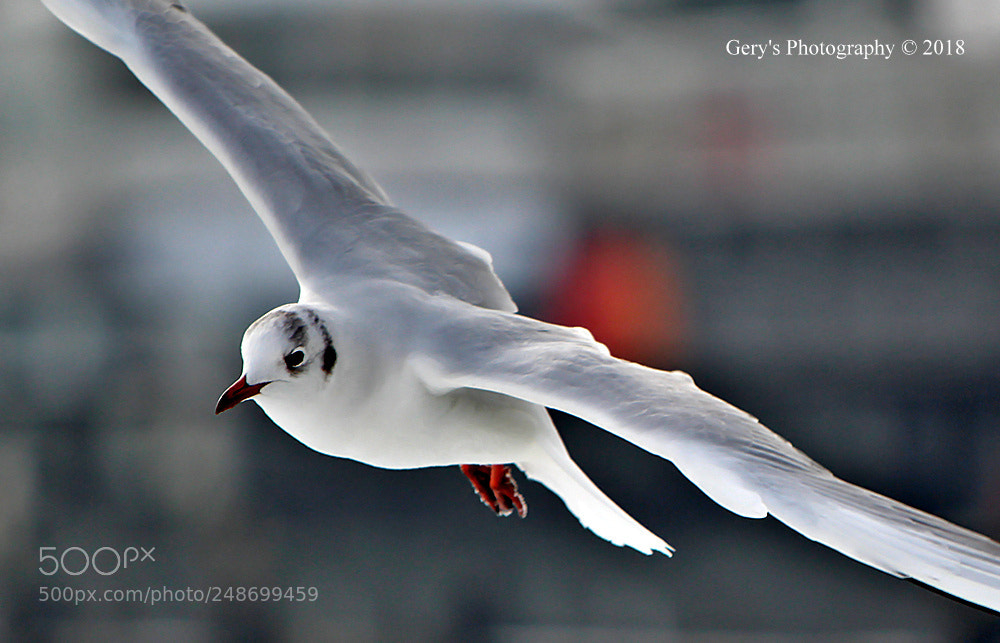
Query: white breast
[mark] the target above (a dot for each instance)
(398, 424)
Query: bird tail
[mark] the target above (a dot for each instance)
(595, 511)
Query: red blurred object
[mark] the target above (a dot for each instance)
(624, 287)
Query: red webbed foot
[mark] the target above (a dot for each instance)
(496, 488)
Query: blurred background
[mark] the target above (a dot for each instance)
(816, 241)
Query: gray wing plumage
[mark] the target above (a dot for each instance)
(329, 218)
(727, 453)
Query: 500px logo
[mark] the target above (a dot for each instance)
(103, 560)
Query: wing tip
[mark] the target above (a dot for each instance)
(940, 592)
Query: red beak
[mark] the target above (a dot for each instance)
(238, 392)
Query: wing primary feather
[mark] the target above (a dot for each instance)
(967, 603)
(329, 219)
(726, 452)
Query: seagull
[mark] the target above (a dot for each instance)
(404, 349)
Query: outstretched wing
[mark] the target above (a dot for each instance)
(733, 458)
(329, 218)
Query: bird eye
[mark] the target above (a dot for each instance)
(295, 358)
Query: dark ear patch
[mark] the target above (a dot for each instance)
(329, 359)
(329, 354)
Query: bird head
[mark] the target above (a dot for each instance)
(290, 345)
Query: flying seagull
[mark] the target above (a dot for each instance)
(404, 349)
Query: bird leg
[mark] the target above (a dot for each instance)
(496, 488)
